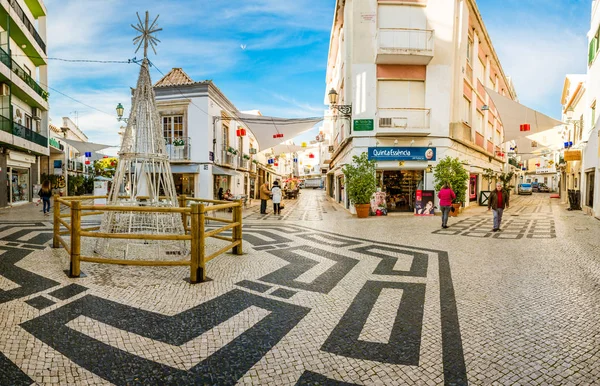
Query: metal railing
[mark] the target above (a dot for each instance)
(21, 131)
(178, 149)
(404, 118)
(14, 66)
(226, 158)
(28, 25)
(418, 40)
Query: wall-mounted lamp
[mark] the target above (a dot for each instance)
(120, 110)
(345, 110)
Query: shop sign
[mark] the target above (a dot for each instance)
(54, 143)
(545, 170)
(424, 200)
(402, 153)
(572, 155)
(363, 125)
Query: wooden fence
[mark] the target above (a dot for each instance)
(195, 213)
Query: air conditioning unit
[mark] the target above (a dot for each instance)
(400, 122)
(4, 89)
(385, 122)
(36, 113)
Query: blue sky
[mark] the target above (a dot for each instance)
(281, 71)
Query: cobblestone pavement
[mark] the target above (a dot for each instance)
(319, 297)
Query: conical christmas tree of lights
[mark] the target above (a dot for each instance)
(143, 176)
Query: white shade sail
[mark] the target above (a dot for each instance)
(86, 147)
(514, 114)
(546, 141)
(264, 128)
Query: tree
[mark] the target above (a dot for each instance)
(450, 170)
(360, 179)
(506, 179)
(105, 167)
(489, 175)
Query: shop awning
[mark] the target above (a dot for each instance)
(264, 128)
(514, 114)
(185, 169)
(222, 172)
(86, 147)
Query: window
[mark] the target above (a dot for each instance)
(172, 127)
(400, 94)
(28, 121)
(480, 70)
(469, 50)
(480, 125)
(593, 50)
(594, 114)
(225, 137)
(466, 117)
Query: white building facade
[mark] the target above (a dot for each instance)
(209, 149)
(415, 74)
(23, 98)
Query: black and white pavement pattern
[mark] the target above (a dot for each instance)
(319, 298)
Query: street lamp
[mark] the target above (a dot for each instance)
(345, 110)
(120, 111)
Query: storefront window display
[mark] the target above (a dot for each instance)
(400, 187)
(18, 183)
(184, 184)
(221, 182)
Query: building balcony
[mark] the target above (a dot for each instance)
(404, 122)
(22, 132)
(178, 149)
(404, 46)
(23, 30)
(226, 158)
(27, 84)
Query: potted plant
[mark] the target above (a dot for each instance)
(361, 183)
(489, 175)
(246, 156)
(450, 170)
(231, 150)
(178, 142)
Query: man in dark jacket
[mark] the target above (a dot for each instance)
(498, 201)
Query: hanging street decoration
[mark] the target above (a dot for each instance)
(525, 127)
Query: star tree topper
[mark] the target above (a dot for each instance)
(146, 38)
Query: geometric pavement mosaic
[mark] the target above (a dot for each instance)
(316, 308)
(531, 222)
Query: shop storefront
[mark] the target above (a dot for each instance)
(19, 177)
(184, 183)
(401, 173)
(400, 187)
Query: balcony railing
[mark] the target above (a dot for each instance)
(178, 149)
(405, 42)
(21, 131)
(10, 63)
(226, 157)
(400, 121)
(28, 25)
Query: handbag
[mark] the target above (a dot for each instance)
(452, 209)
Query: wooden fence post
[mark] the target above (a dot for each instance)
(201, 245)
(183, 204)
(194, 248)
(55, 243)
(237, 231)
(75, 238)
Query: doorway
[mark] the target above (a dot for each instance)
(589, 201)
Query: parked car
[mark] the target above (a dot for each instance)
(524, 189)
(543, 188)
(535, 186)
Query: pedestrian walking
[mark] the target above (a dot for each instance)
(264, 197)
(498, 201)
(446, 195)
(45, 193)
(276, 191)
(220, 194)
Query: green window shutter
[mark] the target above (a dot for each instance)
(592, 51)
